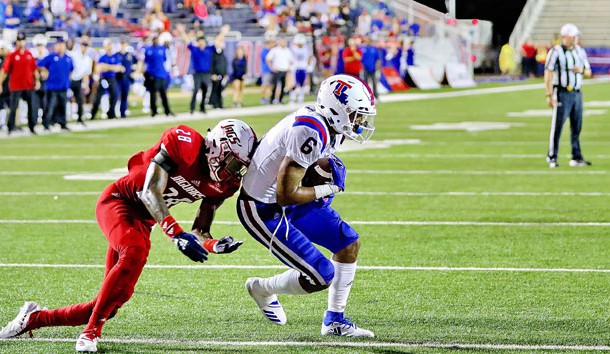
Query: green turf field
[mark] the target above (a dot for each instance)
(469, 241)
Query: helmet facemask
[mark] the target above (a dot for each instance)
(361, 126)
(227, 165)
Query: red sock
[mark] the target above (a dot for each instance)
(73, 315)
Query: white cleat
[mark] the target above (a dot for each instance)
(269, 305)
(344, 328)
(18, 325)
(86, 343)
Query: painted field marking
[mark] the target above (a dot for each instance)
(357, 222)
(63, 157)
(202, 343)
(360, 267)
(471, 172)
(365, 193)
(389, 155)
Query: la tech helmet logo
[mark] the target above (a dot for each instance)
(340, 89)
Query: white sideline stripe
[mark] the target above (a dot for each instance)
(203, 343)
(358, 193)
(470, 172)
(462, 156)
(360, 267)
(357, 222)
(63, 157)
(111, 176)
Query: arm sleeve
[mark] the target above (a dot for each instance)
(585, 59)
(304, 146)
(6, 67)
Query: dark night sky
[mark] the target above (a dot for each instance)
(503, 14)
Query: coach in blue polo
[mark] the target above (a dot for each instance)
(563, 77)
(59, 66)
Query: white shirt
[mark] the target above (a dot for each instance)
(280, 58)
(301, 57)
(292, 137)
(82, 64)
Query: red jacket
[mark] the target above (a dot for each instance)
(354, 66)
(20, 65)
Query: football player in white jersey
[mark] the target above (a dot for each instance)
(302, 60)
(289, 219)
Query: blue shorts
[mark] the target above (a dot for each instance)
(300, 76)
(290, 236)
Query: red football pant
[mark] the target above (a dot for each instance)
(129, 243)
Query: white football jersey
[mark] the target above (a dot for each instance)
(301, 57)
(302, 136)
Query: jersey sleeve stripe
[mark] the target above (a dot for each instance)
(315, 125)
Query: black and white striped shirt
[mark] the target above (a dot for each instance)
(561, 60)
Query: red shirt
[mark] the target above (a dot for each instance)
(188, 182)
(352, 67)
(529, 50)
(20, 66)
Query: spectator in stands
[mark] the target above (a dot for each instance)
(59, 66)
(4, 91)
(279, 59)
(371, 63)
(214, 16)
(219, 72)
(39, 52)
(377, 21)
(100, 29)
(364, 23)
(35, 12)
(240, 68)
(23, 80)
(266, 73)
(154, 59)
(106, 71)
(352, 58)
(79, 83)
(127, 59)
(325, 57)
(392, 56)
(11, 24)
(528, 59)
(58, 7)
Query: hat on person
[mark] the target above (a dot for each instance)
(59, 40)
(21, 36)
(569, 29)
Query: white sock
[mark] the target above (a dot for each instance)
(339, 289)
(284, 283)
(301, 95)
(2, 117)
(293, 94)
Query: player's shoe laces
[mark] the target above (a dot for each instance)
(335, 324)
(18, 325)
(580, 163)
(86, 343)
(269, 305)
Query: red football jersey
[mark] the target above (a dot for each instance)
(190, 181)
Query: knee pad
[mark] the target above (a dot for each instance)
(326, 270)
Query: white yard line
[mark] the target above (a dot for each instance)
(357, 344)
(389, 155)
(364, 193)
(360, 267)
(282, 109)
(112, 176)
(356, 222)
(63, 157)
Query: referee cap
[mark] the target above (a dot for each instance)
(569, 29)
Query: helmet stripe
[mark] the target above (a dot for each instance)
(315, 125)
(368, 88)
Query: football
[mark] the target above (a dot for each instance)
(318, 173)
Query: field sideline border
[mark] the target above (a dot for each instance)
(358, 344)
(360, 267)
(273, 109)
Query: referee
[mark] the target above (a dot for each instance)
(563, 76)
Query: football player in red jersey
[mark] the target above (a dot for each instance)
(182, 167)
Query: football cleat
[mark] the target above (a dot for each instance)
(552, 162)
(580, 163)
(86, 343)
(335, 325)
(18, 325)
(269, 305)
